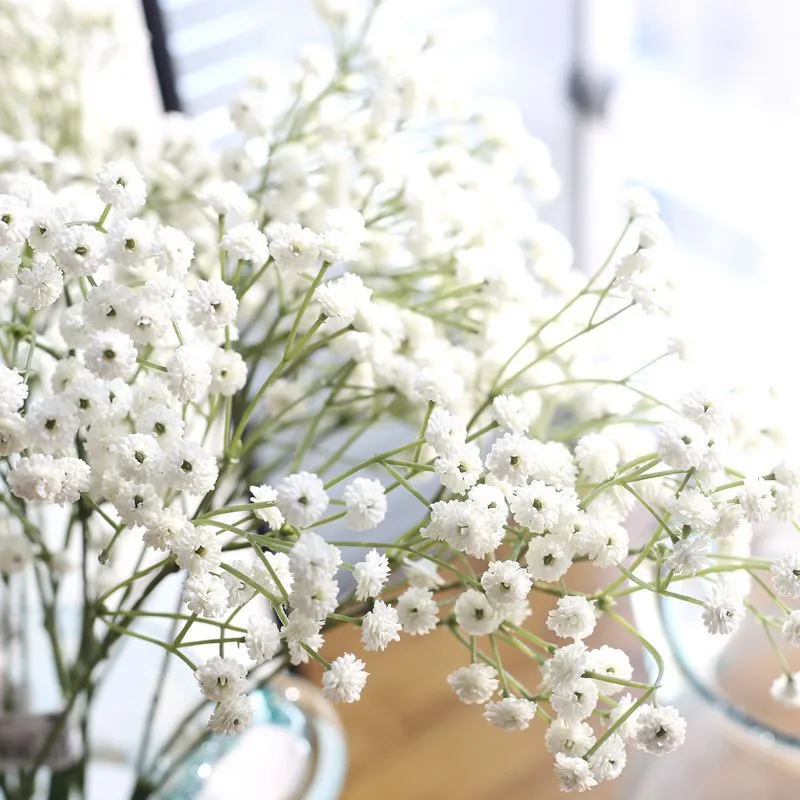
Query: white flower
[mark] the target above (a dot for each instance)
(510, 713)
(614, 664)
(574, 617)
(212, 304)
(228, 372)
(445, 432)
(475, 683)
(12, 434)
(693, 509)
(245, 242)
(576, 703)
(439, 385)
(640, 204)
(573, 739)
(505, 583)
(512, 459)
(175, 252)
(312, 559)
(294, 248)
(40, 285)
(345, 680)
(756, 499)
(36, 478)
(475, 614)
(283, 580)
(205, 594)
(688, 555)
(15, 221)
(786, 690)
(660, 730)
(51, 424)
(365, 502)
(785, 572)
(511, 413)
(79, 250)
(301, 632)
(13, 391)
(269, 514)
(723, 610)
(15, 553)
(548, 557)
(314, 596)
(221, 679)
(110, 354)
(597, 455)
(609, 759)
(568, 664)
(190, 468)
(302, 498)
(731, 523)
(604, 540)
(262, 640)
(573, 774)
(225, 198)
(791, 627)
(232, 716)
(343, 299)
(371, 575)
(627, 729)
(682, 444)
(379, 627)
(121, 185)
(164, 530)
(422, 573)
(536, 506)
(342, 234)
(197, 549)
(417, 611)
(459, 469)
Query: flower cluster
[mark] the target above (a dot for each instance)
(200, 350)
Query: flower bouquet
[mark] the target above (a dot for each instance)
(340, 373)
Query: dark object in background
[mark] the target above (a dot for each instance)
(165, 70)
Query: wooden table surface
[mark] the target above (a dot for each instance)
(410, 738)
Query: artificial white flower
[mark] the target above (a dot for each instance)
(574, 617)
(245, 242)
(365, 501)
(785, 573)
(682, 444)
(659, 729)
(566, 666)
(578, 702)
(13, 391)
(344, 681)
(573, 774)
(609, 760)
(302, 498)
(723, 611)
(206, 595)
(475, 683)
(121, 185)
(511, 413)
(41, 284)
(572, 739)
(263, 639)
(693, 509)
(688, 555)
(269, 514)
(417, 611)
(786, 690)
(371, 575)
(475, 614)
(294, 248)
(614, 664)
(301, 632)
(343, 299)
(510, 713)
(231, 716)
(16, 553)
(380, 626)
(791, 627)
(548, 557)
(505, 583)
(756, 499)
(221, 679)
(110, 354)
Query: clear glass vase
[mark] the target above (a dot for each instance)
(741, 743)
(139, 733)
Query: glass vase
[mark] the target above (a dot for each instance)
(741, 743)
(139, 731)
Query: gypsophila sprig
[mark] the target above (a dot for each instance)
(342, 374)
